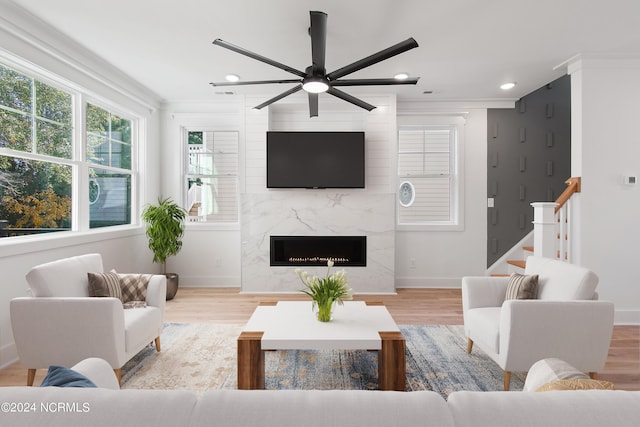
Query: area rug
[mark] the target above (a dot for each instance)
(198, 357)
(193, 356)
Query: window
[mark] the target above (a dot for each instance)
(36, 128)
(428, 167)
(109, 151)
(40, 158)
(212, 176)
(35, 117)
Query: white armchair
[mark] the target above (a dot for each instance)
(60, 324)
(565, 321)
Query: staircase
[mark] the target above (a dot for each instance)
(520, 264)
(551, 234)
(516, 265)
(194, 201)
(194, 210)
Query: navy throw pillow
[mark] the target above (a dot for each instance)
(59, 376)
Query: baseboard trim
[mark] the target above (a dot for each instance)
(429, 282)
(400, 282)
(627, 317)
(210, 281)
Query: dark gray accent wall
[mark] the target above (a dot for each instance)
(529, 158)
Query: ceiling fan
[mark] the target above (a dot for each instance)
(315, 79)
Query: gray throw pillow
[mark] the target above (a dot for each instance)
(522, 286)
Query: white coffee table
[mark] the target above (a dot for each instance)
(291, 325)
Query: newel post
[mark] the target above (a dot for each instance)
(544, 229)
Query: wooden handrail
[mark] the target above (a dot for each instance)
(573, 186)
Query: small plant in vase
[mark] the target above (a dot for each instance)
(324, 292)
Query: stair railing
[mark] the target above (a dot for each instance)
(552, 224)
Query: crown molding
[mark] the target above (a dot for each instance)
(600, 61)
(35, 41)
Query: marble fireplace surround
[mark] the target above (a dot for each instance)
(317, 213)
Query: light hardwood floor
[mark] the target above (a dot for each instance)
(409, 306)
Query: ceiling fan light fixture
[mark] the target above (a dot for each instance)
(315, 84)
(232, 77)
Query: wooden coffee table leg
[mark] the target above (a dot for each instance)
(392, 362)
(250, 361)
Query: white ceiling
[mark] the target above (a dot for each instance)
(467, 47)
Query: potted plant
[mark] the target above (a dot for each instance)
(165, 228)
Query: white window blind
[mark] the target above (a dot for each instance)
(426, 159)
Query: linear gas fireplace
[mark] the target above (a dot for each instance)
(349, 251)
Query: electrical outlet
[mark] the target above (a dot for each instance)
(412, 263)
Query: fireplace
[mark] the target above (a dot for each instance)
(348, 251)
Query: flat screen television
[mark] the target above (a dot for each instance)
(315, 160)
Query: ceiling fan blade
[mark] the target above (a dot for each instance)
(375, 82)
(313, 104)
(387, 53)
(352, 99)
(318, 33)
(260, 58)
(279, 97)
(257, 82)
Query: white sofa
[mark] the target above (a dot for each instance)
(60, 324)
(107, 406)
(566, 321)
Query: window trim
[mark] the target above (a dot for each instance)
(457, 211)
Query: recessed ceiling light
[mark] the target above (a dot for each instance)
(507, 86)
(232, 77)
(401, 76)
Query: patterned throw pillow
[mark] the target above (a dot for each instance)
(577, 384)
(133, 286)
(104, 285)
(549, 370)
(522, 287)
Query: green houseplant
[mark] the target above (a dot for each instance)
(165, 228)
